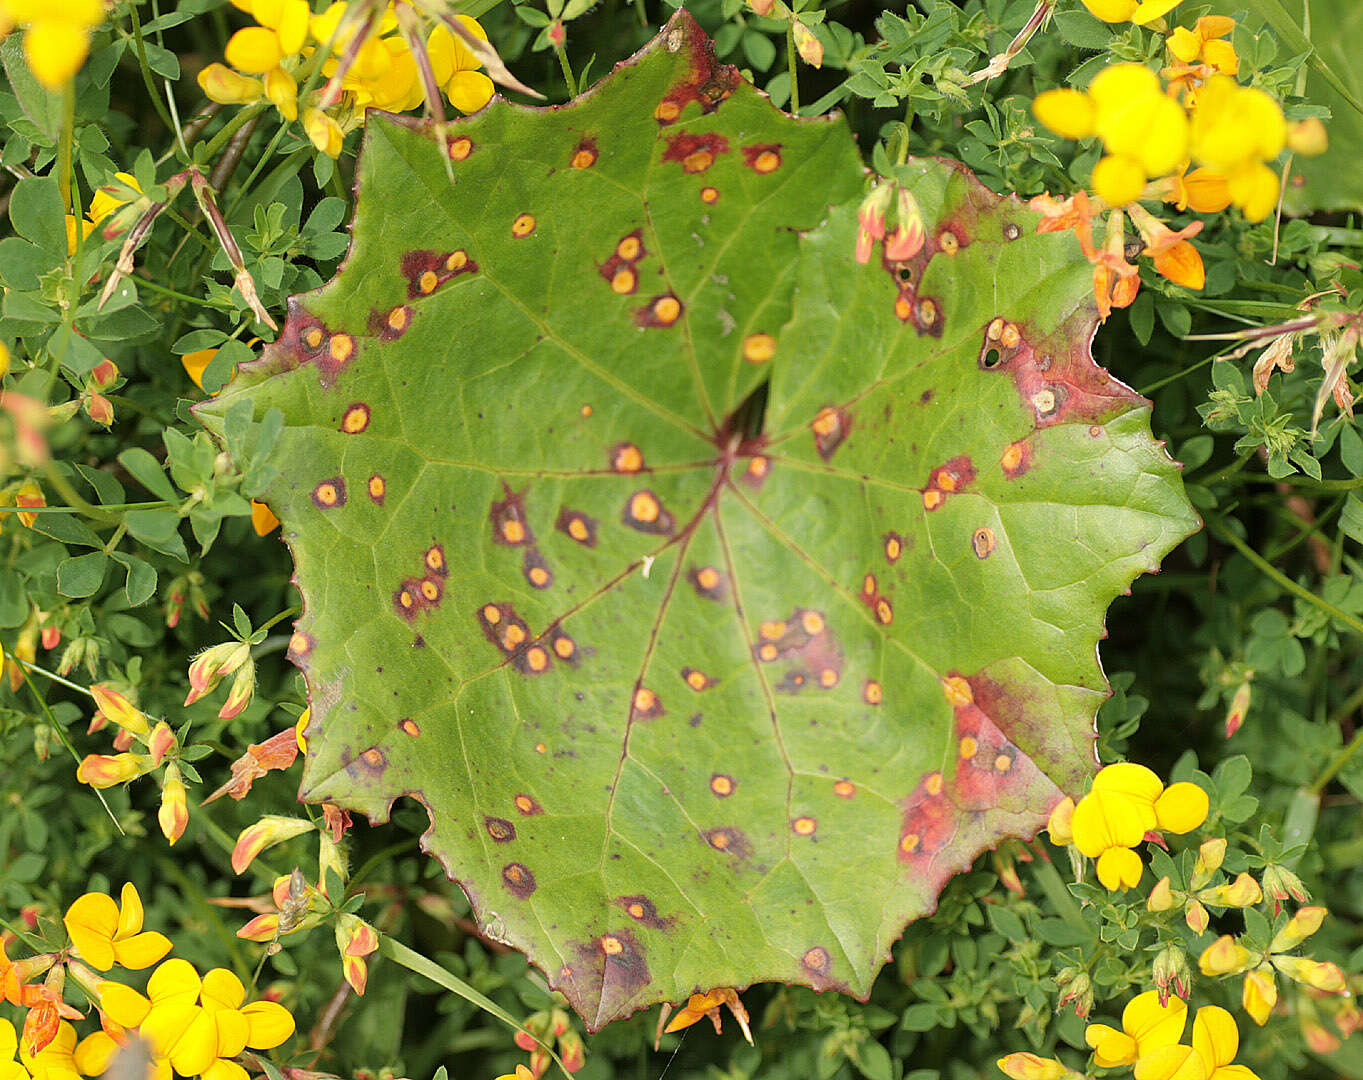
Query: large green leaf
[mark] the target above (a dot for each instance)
(698, 693)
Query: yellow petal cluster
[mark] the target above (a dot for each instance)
(1126, 802)
(373, 62)
(1216, 1040)
(1146, 1026)
(106, 933)
(58, 36)
(194, 1025)
(1136, 11)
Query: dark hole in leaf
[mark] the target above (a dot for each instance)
(746, 421)
(991, 359)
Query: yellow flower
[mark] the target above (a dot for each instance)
(106, 770)
(85, 227)
(456, 68)
(105, 933)
(1138, 11)
(521, 1073)
(1027, 1066)
(173, 815)
(1215, 1043)
(56, 1060)
(1319, 975)
(1146, 1026)
(1203, 43)
(58, 36)
(223, 85)
(9, 1045)
(325, 132)
(119, 709)
(173, 984)
(106, 200)
(268, 831)
(1301, 926)
(1224, 956)
(355, 939)
(261, 1025)
(1058, 824)
(1260, 994)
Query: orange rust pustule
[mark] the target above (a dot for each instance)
(762, 157)
(509, 525)
(563, 647)
(585, 153)
(499, 829)
(831, 426)
(503, 627)
(416, 265)
(518, 879)
(1058, 381)
(661, 311)
(953, 475)
(577, 526)
(625, 256)
(729, 841)
(391, 324)
(528, 805)
(643, 910)
(646, 705)
(602, 975)
(645, 513)
(707, 581)
(330, 494)
(804, 642)
(928, 822)
(536, 570)
(695, 152)
(305, 339)
(710, 83)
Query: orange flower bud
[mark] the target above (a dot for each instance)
(104, 374)
(1243, 892)
(160, 743)
(1302, 925)
(212, 665)
(261, 928)
(51, 637)
(1260, 994)
(243, 689)
(355, 939)
(103, 771)
(1059, 823)
(570, 1051)
(1224, 956)
(807, 45)
(266, 832)
(174, 813)
(1318, 975)
(119, 709)
(1024, 1065)
(1161, 896)
(100, 408)
(1209, 858)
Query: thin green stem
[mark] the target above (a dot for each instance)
(285, 614)
(1271, 571)
(117, 537)
(147, 79)
(1226, 472)
(60, 731)
(32, 942)
(225, 133)
(77, 510)
(1053, 885)
(73, 497)
(54, 677)
(563, 63)
(64, 141)
(1346, 753)
(414, 961)
(790, 66)
(161, 290)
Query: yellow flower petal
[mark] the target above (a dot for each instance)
(1254, 189)
(1069, 113)
(1111, 10)
(1260, 994)
(175, 983)
(94, 1052)
(230, 1031)
(1118, 180)
(185, 1034)
(1184, 44)
(1182, 808)
(469, 91)
(122, 1004)
(141, 951)
(1111, 1048)
(1128, 777)
(1150, 10)
(1171, 1063)
(1165, 142)
(9, 1040)
(130, 912)
(1119, 84)
(262, 519)
(294, 17)
(1058, 824)
(1089, 828)
(55, 51)
(1151, 1024)
(270, 1024)
(225, 86)
(91, 921)
(254, 50)
(1119, 868)
(1221, 55)
(196, 363)
(1215, 1036)
(222, 990)
(225, 1070)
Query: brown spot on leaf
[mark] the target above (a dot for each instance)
(576, 526)
(894, 546)
(662, 311)
(696, 151)
(1016, 459)
(501, 830)
(584, 154)
(527, 805)
(536, 570)
(816, 960)
(723, 785)
(709, 195)
(642, 909)
(707, 581)
(982, 542)
(762, 157)
(844, 789)
(356, 419)
(645, 705)
(509, 525)
(696, 679)
(426, 271)
(872, 693)
(518, 878)
(533, 660)
(830, 427)
(374, 759)
(644, 513)
(378, 487)
(564, 647)
(804, 826)
(435, 560)
(410, 727)
(460, 148)
(329, 494)
(626, 458)
(523, 226)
